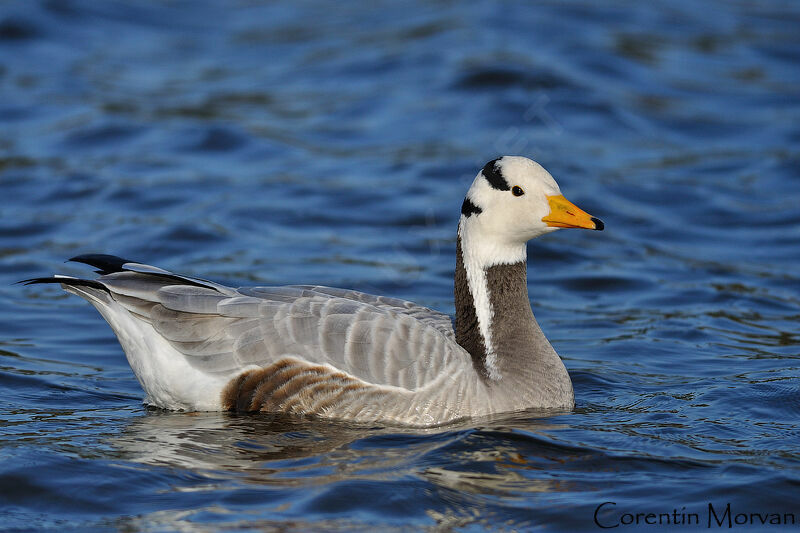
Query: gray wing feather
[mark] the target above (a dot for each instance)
(135, 285)
(433, 318)
(380, 340)
(185, 327)
(240, 306)
(190, 299)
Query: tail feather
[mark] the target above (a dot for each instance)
(110, 264)
(64, 280)
(104, 263)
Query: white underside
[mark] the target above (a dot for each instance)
(168, 380)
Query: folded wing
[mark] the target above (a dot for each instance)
(378, 340)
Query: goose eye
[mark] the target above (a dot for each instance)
(517, 190)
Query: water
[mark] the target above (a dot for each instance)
(275, 143)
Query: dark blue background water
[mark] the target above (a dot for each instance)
(273, 143)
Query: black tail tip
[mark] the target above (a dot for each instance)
(74, 282)
(104, 263)
(33, 281)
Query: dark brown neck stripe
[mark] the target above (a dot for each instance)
(468, 332)
(513, 325)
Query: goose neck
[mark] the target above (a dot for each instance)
(491, 300)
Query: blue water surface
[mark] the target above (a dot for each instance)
(313, 142)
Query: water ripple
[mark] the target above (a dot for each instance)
(285, 143)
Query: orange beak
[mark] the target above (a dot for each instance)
(565, 214)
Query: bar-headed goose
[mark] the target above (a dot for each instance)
(305, 349)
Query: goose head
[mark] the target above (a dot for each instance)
(513, 200)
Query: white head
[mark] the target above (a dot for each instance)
(511, 201)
